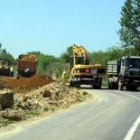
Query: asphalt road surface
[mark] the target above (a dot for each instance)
(111, 115)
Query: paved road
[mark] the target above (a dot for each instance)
(110, 116)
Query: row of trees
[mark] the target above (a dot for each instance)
(48, 64)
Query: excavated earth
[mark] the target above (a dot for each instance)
(42, 96)
(24, 85)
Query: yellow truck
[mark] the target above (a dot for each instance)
(82, 72)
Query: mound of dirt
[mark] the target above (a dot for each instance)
(27, 84)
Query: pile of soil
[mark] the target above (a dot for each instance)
(26, 84)
(43, 101)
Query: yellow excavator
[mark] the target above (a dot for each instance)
(82, 72)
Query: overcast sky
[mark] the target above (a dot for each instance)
(50, 26)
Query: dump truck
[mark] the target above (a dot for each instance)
(26, 65)
(124, 72)
(4, 67)
(82, 72)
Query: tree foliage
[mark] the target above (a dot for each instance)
(130, 24)
(44, 61)
(112, 53)
(6, 55)
(66, 55)
(48, 64)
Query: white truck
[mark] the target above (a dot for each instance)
(124, 73)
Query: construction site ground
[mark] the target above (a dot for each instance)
(24, 85)
(34, 97)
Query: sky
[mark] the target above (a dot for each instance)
(50, 26)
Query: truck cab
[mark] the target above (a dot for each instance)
(124, 73)
(129, 72)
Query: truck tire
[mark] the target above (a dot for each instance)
(133, 88)
(128, 87)
(77, 85)
(71, 84)
(109, 85)
(96, 87)
(99, 87)
(116, 86)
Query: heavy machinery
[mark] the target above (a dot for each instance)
(124, 73)
(4, 67)
(81, 72)
(26, 65)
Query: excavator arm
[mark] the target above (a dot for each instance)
(80, 55)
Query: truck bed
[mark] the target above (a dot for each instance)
(112, 67)
(22, 65)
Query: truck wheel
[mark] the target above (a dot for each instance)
(71, 84)
(133, 88)
(128, 87)
(110, 85)
(77, 85)
(116, 86)
(96, 87)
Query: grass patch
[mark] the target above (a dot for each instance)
(34, 112)
(79, 99)
(85, 93)
(4, 122)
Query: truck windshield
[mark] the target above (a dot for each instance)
(133, 62)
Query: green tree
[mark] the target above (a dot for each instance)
(44, 62)
(98, 57)
(6, 55)
(130, 23)
(136, 6)
(66, 55)
(126, 22)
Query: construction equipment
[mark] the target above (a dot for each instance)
(81, 72)
(26, 65)
(4, 67)
(124, 73)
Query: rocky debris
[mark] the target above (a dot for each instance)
(13, 115)
(46, 93)
(46, 99)
(1, 107)
(6, 99)
(2, 85)
(53, 94)
(29, 104)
